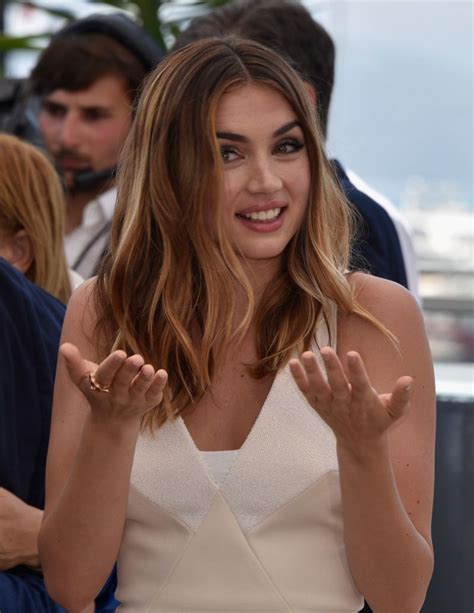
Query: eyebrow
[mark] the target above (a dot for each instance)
(243, 139)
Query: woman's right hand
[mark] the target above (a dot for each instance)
(134, 388)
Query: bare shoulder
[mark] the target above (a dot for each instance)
(80, 321)
(389, 302)
(391, 305)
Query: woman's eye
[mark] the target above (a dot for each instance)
(229, 154)
(289, 146)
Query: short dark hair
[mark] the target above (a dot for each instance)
(284, 26)
(97, 46)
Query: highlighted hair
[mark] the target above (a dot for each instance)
(167, 286)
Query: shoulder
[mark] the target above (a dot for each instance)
(384, 299)
(81, 305)
(80, 323)
(25, 303)
(395, 308)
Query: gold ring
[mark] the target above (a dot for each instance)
(97, 387)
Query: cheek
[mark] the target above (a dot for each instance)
(47, 127)
(111, 136)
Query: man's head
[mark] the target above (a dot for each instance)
(287, 28)
(87, 81)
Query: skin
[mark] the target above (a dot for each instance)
(85, 129)
(265, 164)
(17, 250)
(378, 399)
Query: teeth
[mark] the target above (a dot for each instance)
(262, 215)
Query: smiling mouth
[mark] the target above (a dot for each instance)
(261, 216)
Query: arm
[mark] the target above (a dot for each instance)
(19, 527)
(385, 443)
(93, 437)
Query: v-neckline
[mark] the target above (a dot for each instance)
(248, 439)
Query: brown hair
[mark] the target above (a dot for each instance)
(76, 61)
(167, 286)
(31, 198)
(285, 26)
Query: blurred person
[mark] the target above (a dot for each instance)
(245, 424)
(32, 212)
(383, 244)
(87, 80)
(31, 313)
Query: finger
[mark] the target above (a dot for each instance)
(401, 396)
(77, 367)
(337, 380)
(317, 383)
(108, 368)
(357, 376)
(126, 373)
(299, 375)
(142, 380)
(155, 391)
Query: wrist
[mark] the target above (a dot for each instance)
(367, 452)
(31, 527)
(114, 428)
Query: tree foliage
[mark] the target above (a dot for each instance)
(163, 20)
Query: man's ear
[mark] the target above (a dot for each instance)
(20, 250)
(312, 92)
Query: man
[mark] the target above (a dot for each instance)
(87, 81)
(288, 28)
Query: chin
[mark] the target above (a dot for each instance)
(262, 256)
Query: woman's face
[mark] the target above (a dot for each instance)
(266, 171)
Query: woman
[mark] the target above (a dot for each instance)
(32, 217)
(197, 460)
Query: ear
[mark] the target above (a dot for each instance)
(20, 251)
(312, 92)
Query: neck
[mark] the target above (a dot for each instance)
(260, 274)
(76, 202)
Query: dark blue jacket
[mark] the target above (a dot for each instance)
(377, 247)
(30, 327)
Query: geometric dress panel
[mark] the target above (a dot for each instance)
(269, 538)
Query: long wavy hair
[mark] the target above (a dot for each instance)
(167, 286)
(31, 199)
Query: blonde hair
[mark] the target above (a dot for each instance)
(167, 286)
(31, 199)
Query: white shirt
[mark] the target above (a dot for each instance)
(84, 246)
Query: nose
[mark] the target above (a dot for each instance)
(69, 131)
(264, 177)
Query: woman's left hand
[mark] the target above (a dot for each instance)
(346, 401)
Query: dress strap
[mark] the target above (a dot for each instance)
(326, 329)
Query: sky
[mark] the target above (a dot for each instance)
(402, 110)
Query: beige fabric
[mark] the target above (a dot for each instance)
(218, 570)
(268, 539)
(301, 547)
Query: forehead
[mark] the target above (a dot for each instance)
(107, 91)
(253, 104)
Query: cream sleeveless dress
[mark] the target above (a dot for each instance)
(268, 539)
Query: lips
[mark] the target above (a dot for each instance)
(264, 206)
(71, 163)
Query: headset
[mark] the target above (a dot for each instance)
(22, 119)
